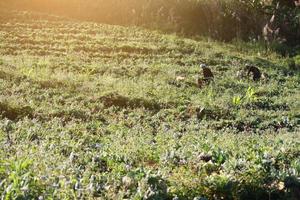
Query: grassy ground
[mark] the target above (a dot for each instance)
(95, 111)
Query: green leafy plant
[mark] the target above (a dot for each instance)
(237, 100)
(250, 94)
(19, 182)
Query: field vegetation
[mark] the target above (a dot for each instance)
(90, 110)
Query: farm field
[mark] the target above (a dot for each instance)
(94, 111)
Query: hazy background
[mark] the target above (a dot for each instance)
(220, 19)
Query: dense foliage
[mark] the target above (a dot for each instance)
(95, 111)
(222, 19)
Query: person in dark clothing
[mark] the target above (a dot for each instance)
(207, 74)
(253, 71)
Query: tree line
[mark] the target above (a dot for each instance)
(270, 20)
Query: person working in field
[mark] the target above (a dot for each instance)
(207, 76)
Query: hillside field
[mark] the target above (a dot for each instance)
(94, 111)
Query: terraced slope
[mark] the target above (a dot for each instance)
(90, 110)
